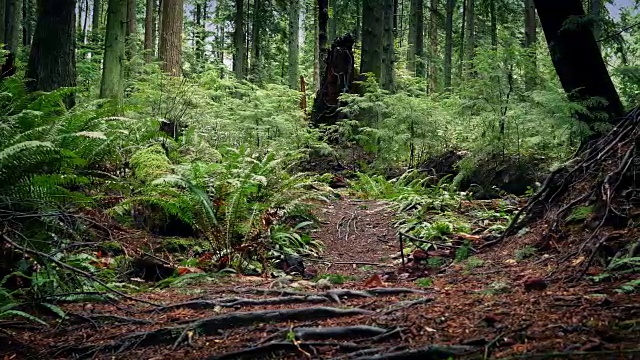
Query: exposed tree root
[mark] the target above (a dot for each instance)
(260, 352)
(406, 304)
(334, 294)
(599, 187)
(432, 352)
(209, 326)
(235, 302)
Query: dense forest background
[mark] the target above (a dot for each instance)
(223, 121)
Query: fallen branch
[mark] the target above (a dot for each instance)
(589, 354)
(429, 352)
(212, 325)
(112, 318)
(73, 269)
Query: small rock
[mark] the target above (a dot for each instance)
(324, 284)
(535, 284)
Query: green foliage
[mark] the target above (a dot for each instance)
(526, 252)
(337, 279)
(424, 282)
(580, 213)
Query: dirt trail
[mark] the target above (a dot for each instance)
(483, 311)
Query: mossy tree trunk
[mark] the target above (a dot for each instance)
(239, 35)
(294, 43)
(387, 77)
(171, 37)
(372, 34)
(112, 84)
(448, 44)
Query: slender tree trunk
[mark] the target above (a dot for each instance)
(416, 29)
(132, 28)
(358, 30)
(85, 24)
(112, 85)
(494, 24)
(159, 30)
(333, 23)
(471, 35)
(530, 38)
(95, 18)
(433, 46)
(148, 31)
(256, 42)
(387, 79)
(448, 44)
(52, 62)
(316, 49)
(13, 20)
(323, 19)
(171, 37)
(28, 21)
(154, 29)
(294, 43)
(372, 34)
(239, 41)
(3, 22)
(463, 23)
(576, 57)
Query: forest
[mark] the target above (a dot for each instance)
(319, 179)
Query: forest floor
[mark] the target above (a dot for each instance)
(497, 308)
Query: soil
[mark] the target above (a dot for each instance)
(501, 307)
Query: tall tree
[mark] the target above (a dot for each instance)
(171, 37)
(28, 15)
(387, 78)
(470, 43)
(3, 23)
(239, 44)
(494, 24)
(294, 42)
(256, 40)
(323, 19)
(95, 17)
(530, 38)
(316, 47)
(13, 20)
(433, 46)
(333, 21)
(112, 84)
(132, 27)
(595, 11)
(372, 32)
(576, 56)
(448, 43)
(148, 30)
(52, 62)
(415, 53)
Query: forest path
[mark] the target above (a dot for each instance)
(484, 310)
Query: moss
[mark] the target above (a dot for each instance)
(150, 163)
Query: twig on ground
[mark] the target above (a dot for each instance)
(74, 269)
(406, 304)
(429, 352)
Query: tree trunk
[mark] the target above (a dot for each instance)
(471, 35)
(494, 24)
(576, 57)
(415, 53)
(595, 11)
(530, 39)
(148, 31)
(85, 23)
(323, 20)
(112, 84)
(463, 23)
(52, 62)
(256, 41)
(433, 48)
(3, 23)
(28, 23)
(372, 33)
(294, 43)
(448, 44)
(13, 20)
(131, 28)
(239, 41)
(387, 78)
(333, 22)
(316, 49)
(171, 37)
(95, 18)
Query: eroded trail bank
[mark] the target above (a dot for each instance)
(488, 306)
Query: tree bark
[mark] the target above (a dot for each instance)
(3, 23)
(316, 49)
(294, 43)
(239, 54)
(448, 44)
(28, 17)
(576, 57)
(112, 84)
(471, 35)
(13, 20)
(433, 46)
(52, 62)
(387, 78)
(530, 39)
(372, 32)
(256, 41)
(148, 30)
(132, 29)
(95, 18)
(333, 23)
(595, 11)
(171, 37)
(323, 20)
(415, 56)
